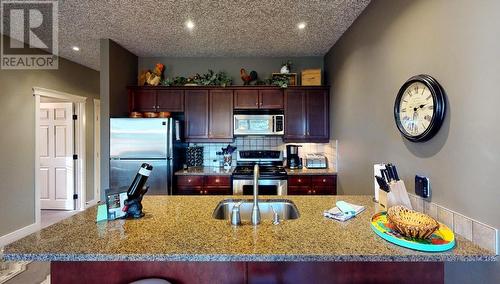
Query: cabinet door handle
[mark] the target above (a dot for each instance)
(324, 180)
(314, 191)
(189, 180)
(307, 132)
(201, 191)
(257, 103)
(299, 180)
(217, 180)
(309, 191)
(206, 192)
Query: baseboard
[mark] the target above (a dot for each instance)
(18, 234)
(91, 203)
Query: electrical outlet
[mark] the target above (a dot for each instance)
(422, 186)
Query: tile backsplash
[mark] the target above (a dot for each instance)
(269, 143)
(479, 233)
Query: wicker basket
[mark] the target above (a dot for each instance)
(412, 223)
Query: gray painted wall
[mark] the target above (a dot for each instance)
(459, 45)
(17, 141)
(118, 70)
(263, 65)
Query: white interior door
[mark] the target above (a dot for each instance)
(56, 156)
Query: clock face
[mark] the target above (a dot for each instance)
(419, 109)
(416, 109)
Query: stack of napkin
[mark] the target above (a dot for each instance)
(343, 211)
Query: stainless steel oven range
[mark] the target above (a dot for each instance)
(273, 177)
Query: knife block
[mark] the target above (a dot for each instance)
(396, 196)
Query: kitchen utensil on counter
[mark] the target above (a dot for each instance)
(292, 156)
(194, 156)
(316, 161)
(391, 190)
(228, 155)
(442, 239)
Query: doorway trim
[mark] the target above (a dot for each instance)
(97, 153)
(79, 147)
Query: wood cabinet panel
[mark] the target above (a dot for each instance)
(271, 99)
(299, 180)
(170, 100)
(312, 185)
(190, 181)
(246, 99)
(143, 100)
(295, 115)
(318, 118)
(221, 114)
(323, 180)
(196, 114)
(217, 181)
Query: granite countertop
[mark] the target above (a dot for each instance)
(205, 171)
(312, 172)
(181, 228)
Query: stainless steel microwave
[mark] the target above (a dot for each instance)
(259, 124)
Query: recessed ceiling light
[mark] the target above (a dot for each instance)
(190, 24)
(75, 48)
(301, 26)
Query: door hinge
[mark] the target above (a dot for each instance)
(75, 117)
(75, 157)
(75, 196)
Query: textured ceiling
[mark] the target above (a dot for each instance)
(225, 28)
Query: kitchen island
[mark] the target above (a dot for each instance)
(178, 239)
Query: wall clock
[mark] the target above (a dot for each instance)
(420, 108)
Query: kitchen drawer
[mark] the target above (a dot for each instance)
(189, 190)
(323, 180)
(299, 180)
(217, 181)
(299, 190)
(190, 180)
(324, 190)
(218, 191)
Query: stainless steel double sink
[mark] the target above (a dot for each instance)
(286, 209)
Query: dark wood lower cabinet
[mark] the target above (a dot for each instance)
(203, 185)
(312, 185)
(248, 272)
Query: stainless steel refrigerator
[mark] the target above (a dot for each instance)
(155, 141)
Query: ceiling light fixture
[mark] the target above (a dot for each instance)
(301, 26)
(75, 48)
(190, 24)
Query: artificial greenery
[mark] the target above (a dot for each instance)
(281, 80)
(208, 79)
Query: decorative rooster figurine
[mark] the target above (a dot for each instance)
(247, 78)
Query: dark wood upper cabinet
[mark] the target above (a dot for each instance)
(271, 99)
(143, 100)
(255, 99)
(221, 114)
(295, 115)
(170, 100)
(246, 99)
(307, 115)
(196, 110)
(318, 117)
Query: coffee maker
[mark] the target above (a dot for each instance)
(293, 161)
